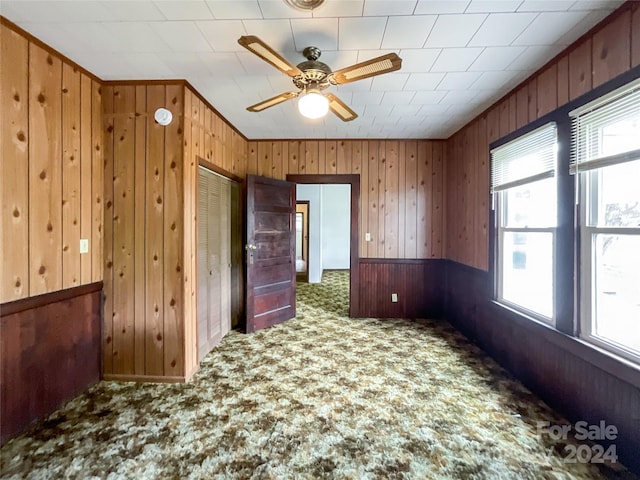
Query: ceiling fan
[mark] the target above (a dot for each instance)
(312, 77)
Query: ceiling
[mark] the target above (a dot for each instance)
(459, 56)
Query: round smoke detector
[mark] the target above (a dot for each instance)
(304, 4)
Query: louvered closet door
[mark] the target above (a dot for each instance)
(214, 297)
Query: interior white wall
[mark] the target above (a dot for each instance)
(335, 226)
(313, 194)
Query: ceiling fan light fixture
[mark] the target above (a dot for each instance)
(313, 104)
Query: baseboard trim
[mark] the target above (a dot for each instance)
(143, 378)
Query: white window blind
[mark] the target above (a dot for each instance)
(526, 159)
(607, 131)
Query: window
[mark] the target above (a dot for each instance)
(606, 160)
(524, 188)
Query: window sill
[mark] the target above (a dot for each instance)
(605, 360)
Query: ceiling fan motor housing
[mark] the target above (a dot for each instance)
(313, 71)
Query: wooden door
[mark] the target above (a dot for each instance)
(270, 251)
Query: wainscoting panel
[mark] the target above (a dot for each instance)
(50, 350)
(418, 284)
(578, 381)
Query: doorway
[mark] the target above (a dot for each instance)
(354, 222)
(302, 241)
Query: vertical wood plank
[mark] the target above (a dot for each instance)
(611, 52)
(410, 224)
(294, 155)
(469, 193)
(522, 106)
(311, 156)
(635, 34)
(45, 169)
(547, 90)
(391, 211)
(580, 69)
(353, 158)
(70, 176)
(139, 234)
(14, 166)
(503, 109)
(372, 208)
(86, 176)
(97, 184)
(154, 238)
(382, 172)
(438, 200)
(533, 99)
(264, 159)
(512, 112)
(107, 348)
(124, 103)
(322, 145)
(425, 152)
(252, 158)
(331, 158)
(563, 80)
(362, 148)
(173, 259)
(276, 160)
(402, 197)
(493, 125)
(482, 195)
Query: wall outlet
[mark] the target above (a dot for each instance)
(84, 245)
(367, 237)
(394, 297)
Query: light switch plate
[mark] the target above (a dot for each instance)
(394, 297)
(84, 245)
(367, 237)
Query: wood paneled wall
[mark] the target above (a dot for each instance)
(402, 187)
(612, 48)
(51, 174)
(150, 328)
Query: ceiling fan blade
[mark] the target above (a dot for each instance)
(340, 108)
(376, 66)
(283, 97)
(269, 55)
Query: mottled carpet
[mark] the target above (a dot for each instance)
(320, 396)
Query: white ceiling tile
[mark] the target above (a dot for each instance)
(181, 36)
(93, 37)
(276, 33)
(501, 29)
(496, 58)
(222, 35)
(317, 32)
(362, 98)
(424, 81)
(378, 110)
(545, 5)
(406, 110)
(418, 60)
(458, 80)
(340, 8)
(407, 31)
(235, 9)
(439, 7)
(135, 36)
(456, 59)
(337, 59)
(184, 9)
(222, 64)
(358, 33)
(397, 98)
(374, 8)
(185, 64)
(128, 11)
(61, 11)
(493, 6)
(492, 80)
(454, 30)
(534, 57)
(428, 97)
(548, 28)
(458, 97)
(389, 81)
(596, 5)
(434, 109)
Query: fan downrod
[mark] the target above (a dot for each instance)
(311, 53)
